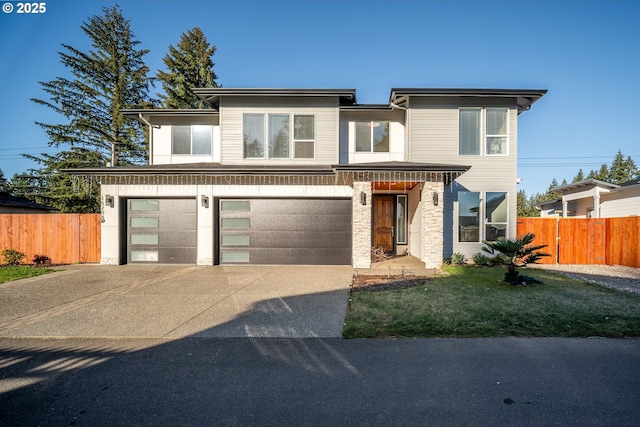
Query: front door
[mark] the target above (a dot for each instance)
(383, 207)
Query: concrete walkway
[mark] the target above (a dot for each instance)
(168, 301)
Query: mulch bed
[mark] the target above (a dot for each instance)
(383, 283)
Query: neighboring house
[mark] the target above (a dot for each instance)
(592, 198)
(19, 205)
(309, 176)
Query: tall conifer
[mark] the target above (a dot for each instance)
(188, 65)
(109, 77)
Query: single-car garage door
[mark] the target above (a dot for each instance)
(161, 231)
(285, 231)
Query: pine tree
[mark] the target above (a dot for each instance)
(105, 80)
(579, 177)
(601, 175)
(622, 170)
(4, 184)
(189, 65)
(525, 207)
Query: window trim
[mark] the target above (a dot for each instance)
(483, 149)
(505, 136)
(402, 229)
(486, 211)
(191, 153)
(371, 135)
(482, 216)
(292, 141)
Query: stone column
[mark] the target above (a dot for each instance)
(361, 225)
(432, 212)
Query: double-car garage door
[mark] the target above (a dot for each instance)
(249, 231)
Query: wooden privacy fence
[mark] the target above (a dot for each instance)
(65, 238)
(610, 241)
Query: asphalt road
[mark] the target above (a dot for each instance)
(320, 382)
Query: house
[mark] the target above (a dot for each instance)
(10, 204)
(309, 176)
(593, 198)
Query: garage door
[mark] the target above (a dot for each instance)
(285, 231)
(161, 231)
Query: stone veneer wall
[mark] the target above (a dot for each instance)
(432, 225)
(361, 250)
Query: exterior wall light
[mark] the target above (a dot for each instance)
(204, 201)
(109, 201)
(363, 198)
(435, 198)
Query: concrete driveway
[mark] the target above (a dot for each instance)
(168, 301)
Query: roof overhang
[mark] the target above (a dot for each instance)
(524, 97)
(212, 95)
(584, 185)
(148, 115)
(367, 107)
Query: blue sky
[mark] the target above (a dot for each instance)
(586, 53)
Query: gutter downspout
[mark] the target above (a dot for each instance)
(148, 123)
(407, 122)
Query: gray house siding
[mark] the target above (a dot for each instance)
(433, 138)
(324, 110)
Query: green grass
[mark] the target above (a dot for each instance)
(474, 302)
(10, 272)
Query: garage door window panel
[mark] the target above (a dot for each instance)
(144, 222)
(235, 223)
(235, 240)
(144, 205)
(144, 239)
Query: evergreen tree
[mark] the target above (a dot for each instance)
(4, 184)
(622, 170)
(525, 207)
(579, 177)
(189, 65)
(602, 174)
(110, 77)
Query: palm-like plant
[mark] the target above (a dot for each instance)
(515, 253)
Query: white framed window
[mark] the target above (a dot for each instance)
(253, 135)
(272, 136)
(495, 221)
(401, 219)
(482, 218)
(496, 131)
(483, 130)
(372, 136)
(468, 216)
(195, 139)
(469, 131)
(304, 136)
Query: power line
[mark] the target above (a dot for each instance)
(574, 157)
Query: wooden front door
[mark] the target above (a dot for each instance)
(383, 222)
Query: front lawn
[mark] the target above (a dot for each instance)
(474, 302)
(15, 272)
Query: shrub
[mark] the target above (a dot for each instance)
(515, 253)
(480, 259)
(12, 257)
(41, 260)
(458, 259)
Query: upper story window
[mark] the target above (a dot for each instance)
(272, 136)
(372, 136)
(194, 139)
(471, 138)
